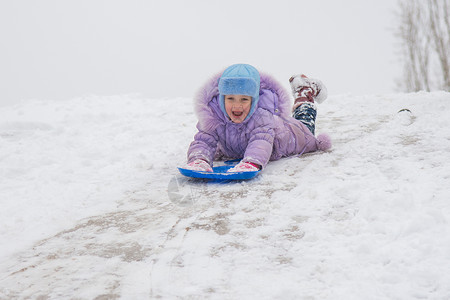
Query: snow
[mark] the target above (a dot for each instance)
(87, 210)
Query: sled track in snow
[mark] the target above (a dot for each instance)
(99, 250)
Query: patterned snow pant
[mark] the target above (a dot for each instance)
(306, 113)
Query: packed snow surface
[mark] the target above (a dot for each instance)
(93, 207)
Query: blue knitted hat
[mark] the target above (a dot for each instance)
(239, 79)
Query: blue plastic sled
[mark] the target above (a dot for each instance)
(219, 173)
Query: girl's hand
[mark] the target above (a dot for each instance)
(245, 167)
(199, 165)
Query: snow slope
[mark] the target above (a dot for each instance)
(86, 213)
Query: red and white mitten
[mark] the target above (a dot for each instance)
(245, 167)
(199, 165)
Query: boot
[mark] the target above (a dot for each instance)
(306, 89)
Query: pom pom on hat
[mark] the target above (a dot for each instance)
(324, 141)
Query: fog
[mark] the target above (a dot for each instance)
(159, 49)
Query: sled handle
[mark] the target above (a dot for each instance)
(232, 161)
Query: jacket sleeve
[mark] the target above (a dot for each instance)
(260, 145)
(203, 147)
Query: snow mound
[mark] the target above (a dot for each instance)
(86, 212)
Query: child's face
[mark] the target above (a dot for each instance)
(237, 107)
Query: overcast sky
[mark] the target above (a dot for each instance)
(53, 49)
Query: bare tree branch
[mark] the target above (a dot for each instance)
(424, 33)
(440, 36)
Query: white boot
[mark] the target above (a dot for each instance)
(306, 89)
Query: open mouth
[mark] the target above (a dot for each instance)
(237, 113)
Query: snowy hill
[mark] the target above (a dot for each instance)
(86, 213)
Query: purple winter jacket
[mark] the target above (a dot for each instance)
(269, 134)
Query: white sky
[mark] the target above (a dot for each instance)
(53, 49)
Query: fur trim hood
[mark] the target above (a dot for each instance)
(209, 91)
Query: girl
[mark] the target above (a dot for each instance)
(244, 114)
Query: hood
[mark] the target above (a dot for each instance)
(210, 91)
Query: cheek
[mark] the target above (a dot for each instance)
(228, 106)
